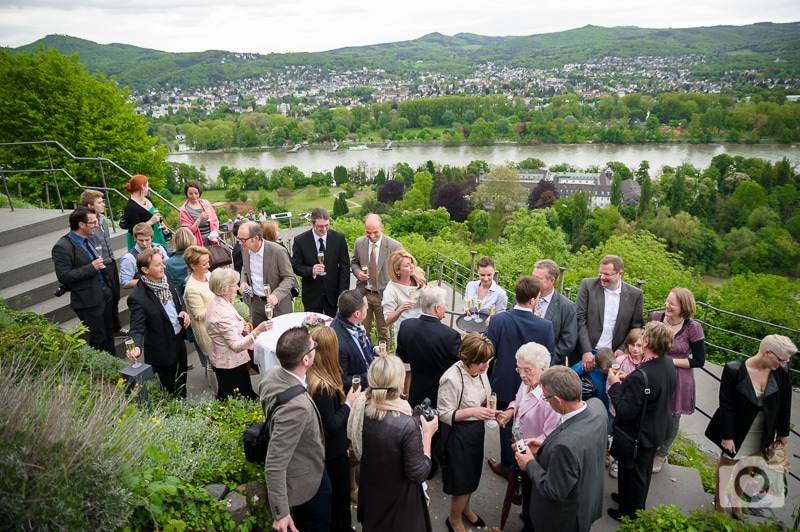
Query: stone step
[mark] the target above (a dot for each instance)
(23, 224)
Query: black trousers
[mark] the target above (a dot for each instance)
(339, 472)
(633, 483)
(506, 439)
(234, 381)
(173, 376)
(112, 277)
(98, 320)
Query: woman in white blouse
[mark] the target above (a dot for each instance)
(197, 296)
(400, 300)
(486, 289)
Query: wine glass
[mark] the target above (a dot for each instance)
(491, 402)
(130, 346)
(267, 290)
(268, 309)
(478, 305)
(99, 251)
(321, 260)
(382, 347)
(492, 309)
(412, 295)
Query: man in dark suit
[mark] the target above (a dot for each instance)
(567, 468)
(322, 283)
(607, 309)
(370, 252)
(556, 309)
(295, 466)
(356, 350)
(429, 346)
(158, 322)
(508, 331)
(628, 398)
(265, 264)
(79, 268)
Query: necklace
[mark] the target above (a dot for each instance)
(671, 324)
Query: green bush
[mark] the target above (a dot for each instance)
(668, 518)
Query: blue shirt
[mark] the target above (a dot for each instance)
(598, 378)
(88, 247)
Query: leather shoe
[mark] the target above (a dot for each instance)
(121, 333)
(616, 513)
(615, 497)
(477, 522)
(497, 467)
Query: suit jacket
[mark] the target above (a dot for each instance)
(561, 313)
(508, 331)
(628, 399)
(590, 306)
(224, 327)
(151, 329)
(568, 473)
(86, 290)
(296, 455)
(277, 273)
(337, 259)
(431, 348)
(350, 354)
(537, 418)
(361, 258)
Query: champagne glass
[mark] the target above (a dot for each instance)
(469, 302)
(130, 346)
(492, 310)
(267, 290)
(321, 260)
(615, 368)
(268, 309)
(365, 270)
(99, 251)
(382, 347)
(356, 383)
(491, 402)
(412, 295)
(478, 305)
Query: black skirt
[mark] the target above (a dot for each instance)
(462, 473)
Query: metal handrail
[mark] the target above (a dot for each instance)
(56, 171)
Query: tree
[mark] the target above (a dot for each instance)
(531, 163)
(543, 195)
(48, 96)
(390, 192)
(284, 194)
(500, 192)
(645, 197)
(451, 197)
(423, 181)
(340, 207)
(482, 134)
(616, 191)
(340, 175)
(480, 224)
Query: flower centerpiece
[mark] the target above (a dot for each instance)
(312, 321)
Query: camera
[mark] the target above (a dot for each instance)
(61, 290)
(521, 447)
(755, 484)
(425, 410)
(167, 232)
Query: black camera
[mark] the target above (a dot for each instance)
(426, 410)
(61, 290)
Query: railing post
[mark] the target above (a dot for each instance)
(5, 187)
(55, 181)
(569, 292)
(455, 292)
(47, 193)
(519, 274)
(109, 210)
(472, 266)
(441, 272)
(562, 269)
(639, 283)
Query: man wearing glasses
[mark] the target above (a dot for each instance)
(607, 309)
(80, 270)
(323, 280)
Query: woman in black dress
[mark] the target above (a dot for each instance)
(140, 209)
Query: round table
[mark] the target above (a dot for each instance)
(266, 341)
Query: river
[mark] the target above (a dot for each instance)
(320, 159)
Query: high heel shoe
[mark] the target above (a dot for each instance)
(477, 522)
(449, 526)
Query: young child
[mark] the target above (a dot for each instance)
(628, 362)
(604, 358)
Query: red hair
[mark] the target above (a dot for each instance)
(136, 183)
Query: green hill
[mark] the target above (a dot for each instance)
(756, 46)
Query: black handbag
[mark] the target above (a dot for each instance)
(255, 438)
(624, 447)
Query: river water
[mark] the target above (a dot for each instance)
(581, 156)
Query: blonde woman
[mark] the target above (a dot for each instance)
(395, 458)
(405, 280)
(197, 296)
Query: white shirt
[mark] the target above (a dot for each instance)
(296, 376)
(544, 302)
(612, 298)
(572, 414)
(324, 240)
(257, 271)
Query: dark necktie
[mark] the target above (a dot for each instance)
(93, 255)
(373, 268)
(321, 245)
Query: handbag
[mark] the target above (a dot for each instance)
(440, 452)
(221, 254)
(776, 458)
(625, 447)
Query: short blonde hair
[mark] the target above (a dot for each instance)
(395, 260)
(142, 228)
(193, 254)
(779, 344)
(386, 376)
(89, 196)
(475, 349)
(182, 239)
(222, 279)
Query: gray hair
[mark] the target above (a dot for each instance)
(432, 296)
(222, 279)
(563, 382)
(534, 354)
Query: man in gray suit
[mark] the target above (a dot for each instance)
(607, 309)
(567, 467)
(294, 469)
(557, 309)
(371, 251)
(265, 264)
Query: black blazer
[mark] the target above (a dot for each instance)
(337, 267)
(628, 399)
(738, 406)
(86, 290)
(151, 328)
(350, 357)
(431, 348)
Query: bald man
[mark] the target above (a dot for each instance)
(373, 282)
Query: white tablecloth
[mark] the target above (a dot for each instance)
(266, 342)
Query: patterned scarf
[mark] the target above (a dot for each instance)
(161, 288)
(355, 423)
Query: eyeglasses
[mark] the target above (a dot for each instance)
(92, 223)
(243, 240)
(783, 361)
(526, 371)
(548, 397)
(323, 226)
(313, 348)
(604, 274)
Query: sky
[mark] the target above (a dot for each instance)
(279, 26)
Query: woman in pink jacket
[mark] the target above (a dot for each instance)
(533, 417)
(230, 336)
(197, 214)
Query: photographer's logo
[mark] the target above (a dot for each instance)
(751, 483)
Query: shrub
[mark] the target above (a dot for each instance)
(668, 518)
